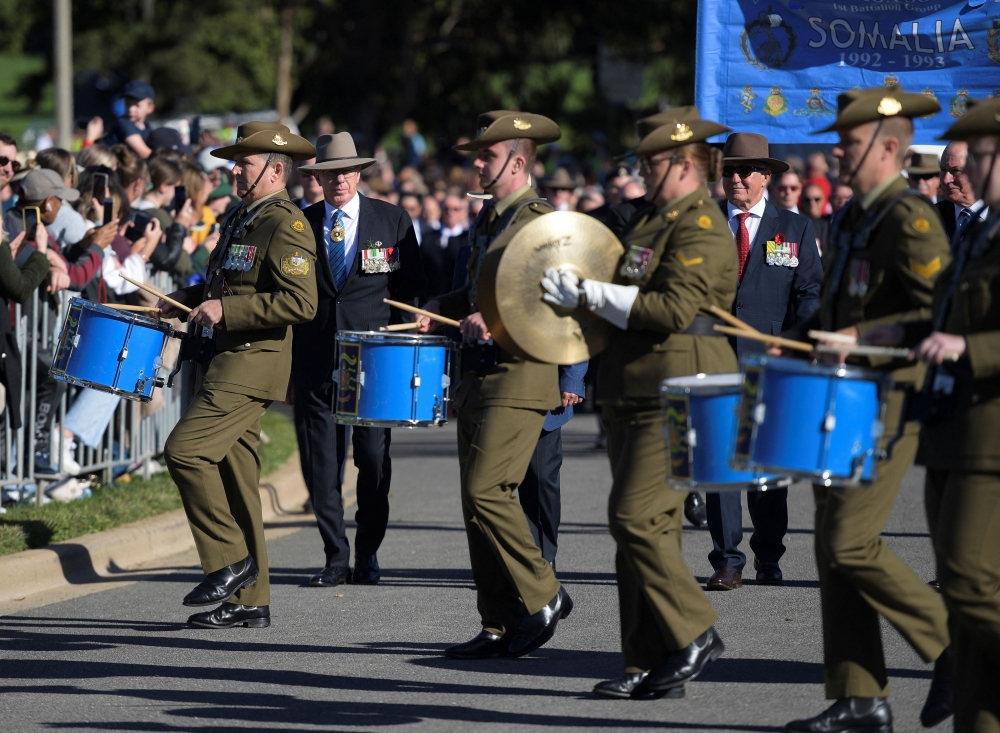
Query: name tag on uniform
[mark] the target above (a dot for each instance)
(636, 262)
(376, 259)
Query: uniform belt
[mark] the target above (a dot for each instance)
(704, 326)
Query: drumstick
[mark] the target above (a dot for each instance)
(776, 340)
(840, 338)
(864, 350)
(157, 293)
(119, 307)
(731, 319)
(399, 327)
(422, 312)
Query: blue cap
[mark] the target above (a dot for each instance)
(138, 90)
(167, 137)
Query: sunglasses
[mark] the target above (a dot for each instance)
(4, 160)
(817, 199)
(743, 171)
(924, 176)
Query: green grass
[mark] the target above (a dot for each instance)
(27, 526)
(15, 117)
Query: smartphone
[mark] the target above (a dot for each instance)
(30, 217)
(138, 229)
(109, 211)
(213, 229)
(100, 191)
(180, 196)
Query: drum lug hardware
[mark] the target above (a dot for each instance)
(829, 422)
(758, 413)
(124, 355)
(445, 381)
(76, 340)
(159, 382)
(361, 378)
(415, 382)
(692, 438)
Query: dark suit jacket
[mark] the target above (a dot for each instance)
(946, 210)
(439, 263)
(359, 306)
(773, 298)
(617, 216)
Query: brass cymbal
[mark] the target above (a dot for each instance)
(510, 290)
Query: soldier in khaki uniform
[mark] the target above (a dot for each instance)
(679, 262)
(261, 281)
(958, 442)
(502, 401)
(886, 250)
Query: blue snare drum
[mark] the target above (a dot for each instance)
(813, 421)
(699, 418)
(113, 351)
(389, 379)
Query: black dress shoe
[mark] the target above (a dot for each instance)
(233, 614)
(938, 706)
(631, 686)
(538, 628)
(768, 573)
(484, 646)
(695, 510)
(848, 715)
(329, 577)
(221, 584)
(685, 664)
(366, 571)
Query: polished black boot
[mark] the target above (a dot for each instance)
(695, 510)
(535, 630)
(330, 577)
(848, 715)
(685, 664)
(366, 571)
(485, 646)
(221, 584)
(938, 708)
(233, 614)
(632, 686)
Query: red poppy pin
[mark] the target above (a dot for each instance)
(779, 238)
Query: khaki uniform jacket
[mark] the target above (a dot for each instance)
(692, 266)
(253, 344)
(513, 382)
(966, 440)
(888, 280)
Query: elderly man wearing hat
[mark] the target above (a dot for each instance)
(886, 250)
(502, 401)
(779, 281)
(679, 263)
(924, 174)
(261, 281)
(559, 188)
(351, 293)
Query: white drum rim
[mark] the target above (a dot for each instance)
(121, 315)
(800, 366)
(393, 337)
(703, 384)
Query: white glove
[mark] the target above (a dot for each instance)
(611, 302)
(562, 289)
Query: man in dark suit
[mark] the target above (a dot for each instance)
(780, 275)
(438, 254)
(351, 288)
(957, 203)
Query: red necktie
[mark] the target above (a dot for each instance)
(743, 243)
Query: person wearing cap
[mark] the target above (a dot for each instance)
(351, 293)
(924, 174)
(779, 280)
(558, 189)
(167, 138)
(131, 129)
(886, 250)
(959, 206)
(961, 345)
(502, 401)
(679, 262)
(261, 281)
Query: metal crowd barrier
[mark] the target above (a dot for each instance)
(129, 442)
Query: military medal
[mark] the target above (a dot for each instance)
(376, 259)
(793, 249)
(860, 272)
(782, 252)
(636, 262)
(337, 234)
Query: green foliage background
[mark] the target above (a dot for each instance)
(368, 64)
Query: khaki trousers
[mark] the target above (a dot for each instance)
(662, 607)
(495, 445)
(963, 510)
(212, 457)
(860, 578)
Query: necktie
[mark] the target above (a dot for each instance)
(743, 243)
(335, 251)
(964, 218)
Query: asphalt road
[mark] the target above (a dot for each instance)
(369, 658)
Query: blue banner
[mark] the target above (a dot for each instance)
(775, 67)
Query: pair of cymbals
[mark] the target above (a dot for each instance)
(510, 290)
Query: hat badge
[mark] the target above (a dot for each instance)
(278, 139)
(521, 124)
(683, 133)
(239, 139)
(889, 106)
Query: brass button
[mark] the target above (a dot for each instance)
(218, 271)
(247, 345)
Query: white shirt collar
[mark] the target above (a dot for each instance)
(757, 209)
(351, 208)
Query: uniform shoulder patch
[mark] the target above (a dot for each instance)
(298, 225)
(295, 264)
(922, 225)
(925, 271)
(694, 260)
(705, 221)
